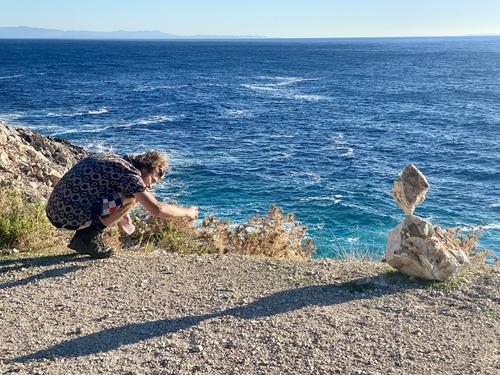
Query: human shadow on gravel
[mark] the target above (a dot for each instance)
(274, 304)
(56, 272)
(9, 265)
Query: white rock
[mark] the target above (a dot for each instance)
(418, 227)
(431, 257)
(409, 189)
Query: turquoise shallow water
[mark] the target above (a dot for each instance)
(320, 127)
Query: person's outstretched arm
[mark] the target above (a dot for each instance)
(162, 210)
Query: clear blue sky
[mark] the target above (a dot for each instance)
(274, 18)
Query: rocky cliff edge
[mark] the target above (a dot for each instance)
(33, 163)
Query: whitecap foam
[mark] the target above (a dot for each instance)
(493, 226)
(99, 111)
(99, 146)
(282, 156)
(257, 87)
(280, 89)
(335, 142)
(146, 88)
(68, 131)
(326, 199)
(306, 178)
(312, 98)
(154, 119)
(12, 76)
(318, 226)
(349, 153)
(237, 113)
(53, 114)
(285, 81)
(86, 112)
(12, 116)
(352, 240)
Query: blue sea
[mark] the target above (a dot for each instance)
(321, 128)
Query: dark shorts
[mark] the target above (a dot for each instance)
(101, 209)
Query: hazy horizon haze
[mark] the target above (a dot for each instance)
(273, 19)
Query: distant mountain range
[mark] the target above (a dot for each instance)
(24, 32)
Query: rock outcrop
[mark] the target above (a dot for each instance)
(32, 163)
(416, 247)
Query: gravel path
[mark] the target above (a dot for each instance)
(215, 314)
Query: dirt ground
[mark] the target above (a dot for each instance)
(164, 313)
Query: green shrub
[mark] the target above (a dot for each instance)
(23, 225)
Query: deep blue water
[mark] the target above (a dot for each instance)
(321, 128)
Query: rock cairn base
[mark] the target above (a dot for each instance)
(416, 247)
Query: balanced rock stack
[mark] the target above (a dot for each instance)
(416, 247)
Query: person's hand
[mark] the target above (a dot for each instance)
(192, 213)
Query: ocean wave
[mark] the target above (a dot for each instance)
(306, 178)
(99, 111)
(237, 113)
(12, 116)
(156, 119)
(12, 76)
(348, 153)
(146, 88)
(280, 89)
(285, 81)
(311, 98)
(317, 226)
(99, 146)
(257, 87)
(153, 120)
(493, 226)
(326, 200)
(352, 240)
(86, 112)
(282, 156)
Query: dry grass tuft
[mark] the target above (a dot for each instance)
(173, 235)
(274, 234)
(467, 242)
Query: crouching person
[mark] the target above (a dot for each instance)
(100, 190)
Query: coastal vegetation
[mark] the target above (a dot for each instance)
(23, 224)
(24, 227)
(274, 234)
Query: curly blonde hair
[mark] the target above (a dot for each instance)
(151, 161)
